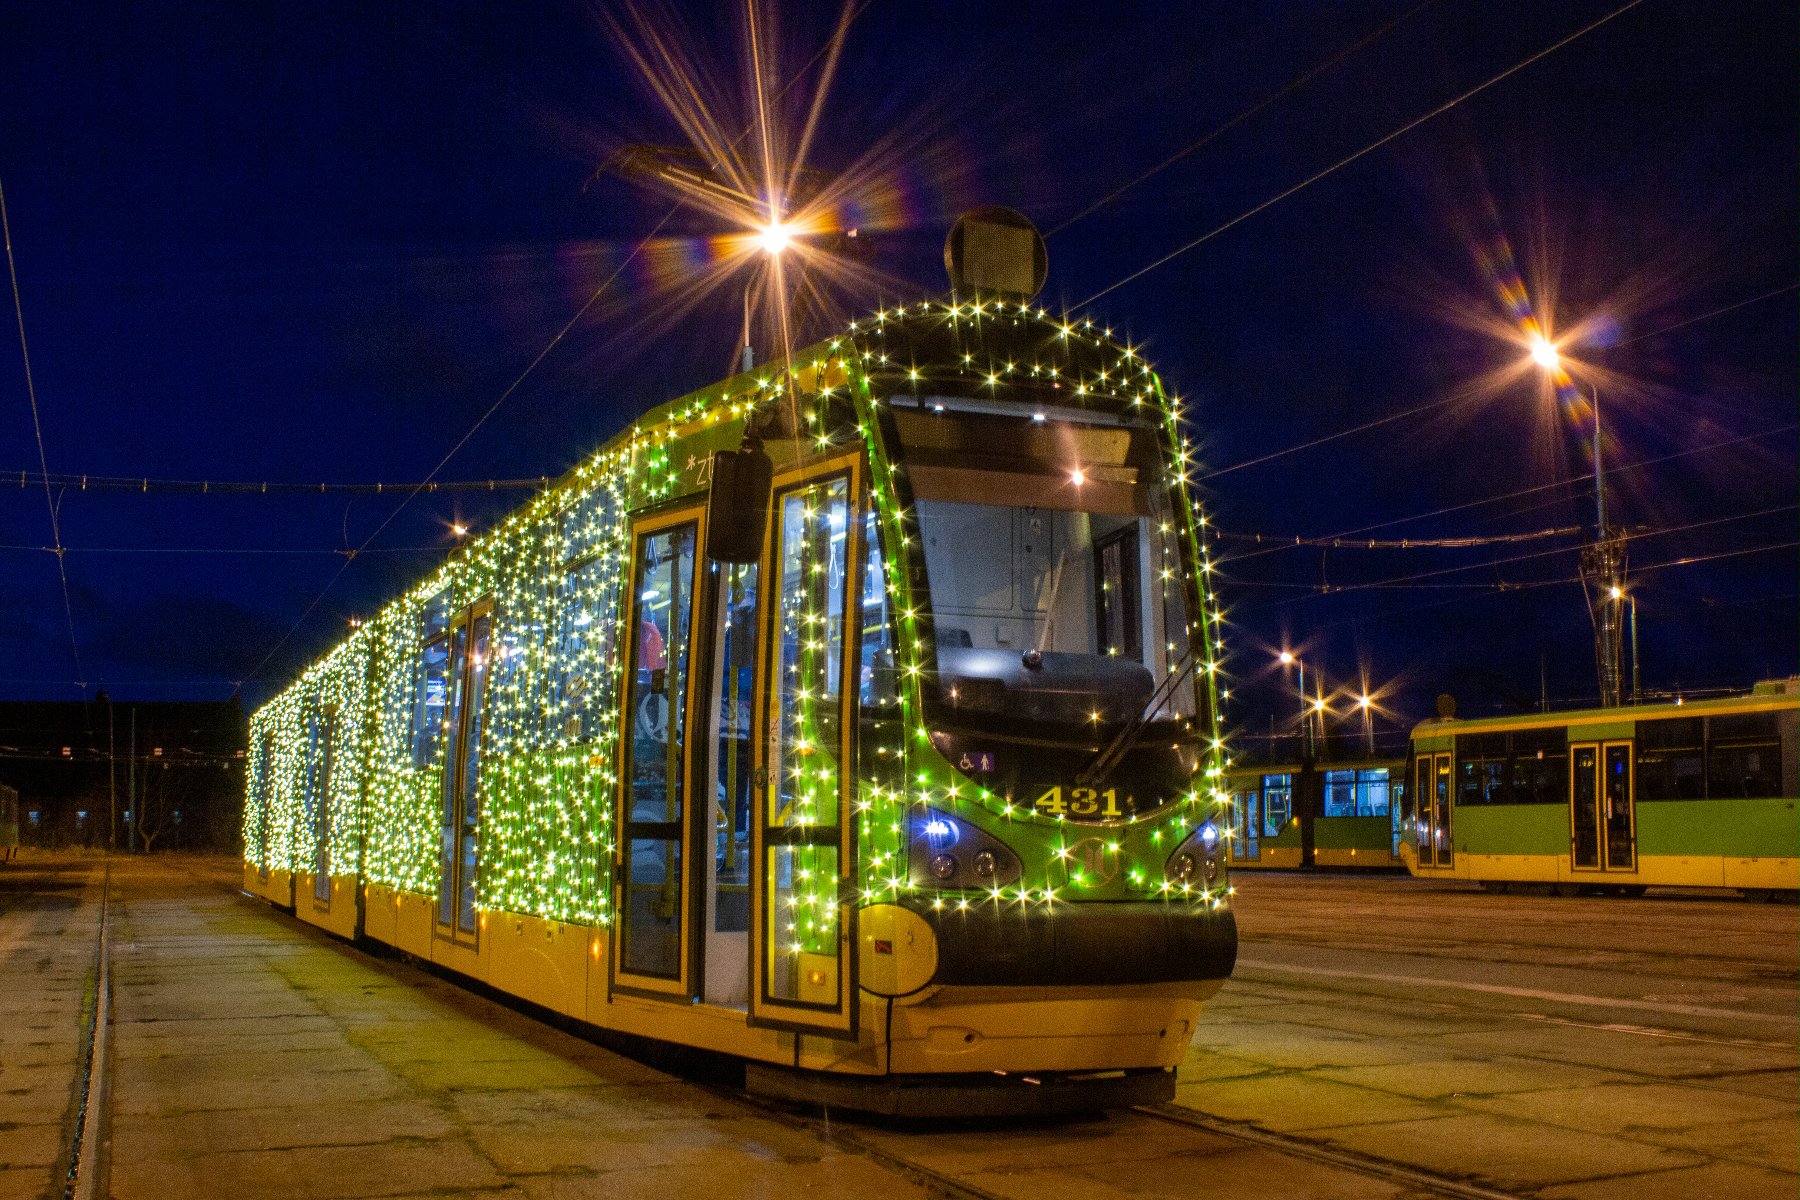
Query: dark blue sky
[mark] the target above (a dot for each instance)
(315, 242)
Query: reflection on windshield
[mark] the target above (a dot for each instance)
(1046, 615)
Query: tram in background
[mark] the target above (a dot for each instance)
(1695, 794)
(857, 720)
(1330, 815)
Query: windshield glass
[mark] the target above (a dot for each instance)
(1055, 616)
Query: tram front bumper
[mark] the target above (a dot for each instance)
(1093, 944)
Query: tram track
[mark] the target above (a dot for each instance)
(912, 1160)
(84, 1177)
(1350, 1160)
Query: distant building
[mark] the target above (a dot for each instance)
(158, 775)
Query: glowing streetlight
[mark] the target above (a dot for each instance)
(1602, 563)
(774, 237)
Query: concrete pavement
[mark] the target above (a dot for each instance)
(1580, 1049)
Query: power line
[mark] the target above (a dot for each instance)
(511, 388)
(133, 483)
(229, 551)
(1542, 487)
(1368, 149)
(37, 427)
(1339, 543)
(1295, 85)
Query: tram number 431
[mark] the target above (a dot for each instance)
(1080, 802)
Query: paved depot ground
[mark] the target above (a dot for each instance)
(1547, 1047)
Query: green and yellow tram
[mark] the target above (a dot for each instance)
(1329, 815)
(857, 720)
(1695, 794)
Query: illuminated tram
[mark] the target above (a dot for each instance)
(1613, 800)
(856, 720)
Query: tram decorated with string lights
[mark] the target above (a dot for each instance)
(1698, 794)
(856, 719)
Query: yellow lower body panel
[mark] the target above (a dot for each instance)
(1354, 858)
(1280, 856)
(400, 919)
(543, 961)
(1781, 873)
(1046, 1029)
(337, 913)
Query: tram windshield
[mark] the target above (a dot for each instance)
(1053, 570)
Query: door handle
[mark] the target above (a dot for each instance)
(761, 778)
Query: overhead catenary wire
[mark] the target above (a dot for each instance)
(1573, 480)
(1373, 146)
(37, 428)
(636, 250)
(207, 487)
(1286, 90)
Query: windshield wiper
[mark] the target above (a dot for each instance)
(1127, 737)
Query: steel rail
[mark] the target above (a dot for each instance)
(83, 1179)
(1349, 1160)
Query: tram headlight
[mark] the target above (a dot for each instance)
(979, 860)
(1196, 859)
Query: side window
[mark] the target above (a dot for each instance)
(1671, 759)
(1538, 762)
(431, 695)
(1278, 803)
(1117, 595)
(1743, 757)
(586, 640)
(877, 680)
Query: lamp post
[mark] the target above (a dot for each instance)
(1603, 559)
(1287, 659)
(1305, 802)
(1363, 702)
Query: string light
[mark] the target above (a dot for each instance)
(550, 730)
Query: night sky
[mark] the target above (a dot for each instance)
(312, 243)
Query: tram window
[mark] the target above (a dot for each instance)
(1340, 793)
(1481, 770)
(876, 673)
(1743, 757)
(1671, 759)
(580, 701)
(1277, 803)
(1538, 766)
(1070, 617)
(429, 700)
(1356, 792)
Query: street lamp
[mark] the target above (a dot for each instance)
(1287, 659)
(1602, 561)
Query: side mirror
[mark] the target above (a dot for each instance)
(737, 511)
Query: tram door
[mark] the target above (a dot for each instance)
(1602, 808)
(1431, 794)
(1246, 826)
(653, 892)
(801, 973)
(464, 657)
(728, 779)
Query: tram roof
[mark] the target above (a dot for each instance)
(1768, 696)
(981, 347)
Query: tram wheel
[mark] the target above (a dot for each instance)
(1630, 890)
(1496, 886)
(1565, 890)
